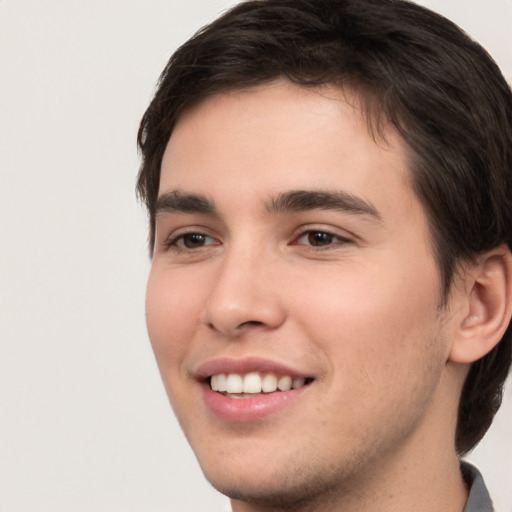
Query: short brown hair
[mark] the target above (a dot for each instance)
(411, 67)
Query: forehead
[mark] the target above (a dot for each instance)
(279, 137)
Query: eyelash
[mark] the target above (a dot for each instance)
(333, 239)
(178, 242)
(173, 244)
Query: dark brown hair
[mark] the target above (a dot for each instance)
(410, 67)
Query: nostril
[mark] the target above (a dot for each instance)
(237, 329)
(250, 323)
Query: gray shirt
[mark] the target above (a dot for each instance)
(479, 499)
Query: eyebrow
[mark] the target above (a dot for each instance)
(177, 201)
(305, 200)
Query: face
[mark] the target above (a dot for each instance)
(292, 272)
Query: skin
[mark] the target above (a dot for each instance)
(360, 311)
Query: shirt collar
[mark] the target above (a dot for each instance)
(478, 499)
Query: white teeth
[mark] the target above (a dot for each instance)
(284, 383)
(269, 383)
(253, 383)
(234, 383)
(219, 381)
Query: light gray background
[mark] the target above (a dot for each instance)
(84, 422)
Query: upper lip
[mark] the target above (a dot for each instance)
(245, 365)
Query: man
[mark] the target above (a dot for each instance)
(328, 185)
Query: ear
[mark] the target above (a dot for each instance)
(488, 306)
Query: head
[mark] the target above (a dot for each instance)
(407, 71)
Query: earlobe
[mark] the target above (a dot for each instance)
(488, 311)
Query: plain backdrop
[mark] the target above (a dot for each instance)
(84, 421)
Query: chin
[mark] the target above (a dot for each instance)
(268, 491)
(288, 483)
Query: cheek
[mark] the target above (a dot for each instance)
(381, 346)
(172, 312)
(373, 324)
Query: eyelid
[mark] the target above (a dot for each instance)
(172, 239)
(181, 238)
(319, 228)
(334, 242)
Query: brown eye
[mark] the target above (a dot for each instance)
(194, 240)
(190, 241)
(320, 238)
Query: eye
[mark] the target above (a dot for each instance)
(191, 241)
(317, 238)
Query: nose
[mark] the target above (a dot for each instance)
(244, 297)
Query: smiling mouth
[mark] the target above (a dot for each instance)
(249, 385)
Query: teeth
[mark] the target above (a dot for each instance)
(298, 383)
(284, 383)
(269, 383)
(218, 382)
(253, 383)
(234, 383)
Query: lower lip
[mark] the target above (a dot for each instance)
(246, 410)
